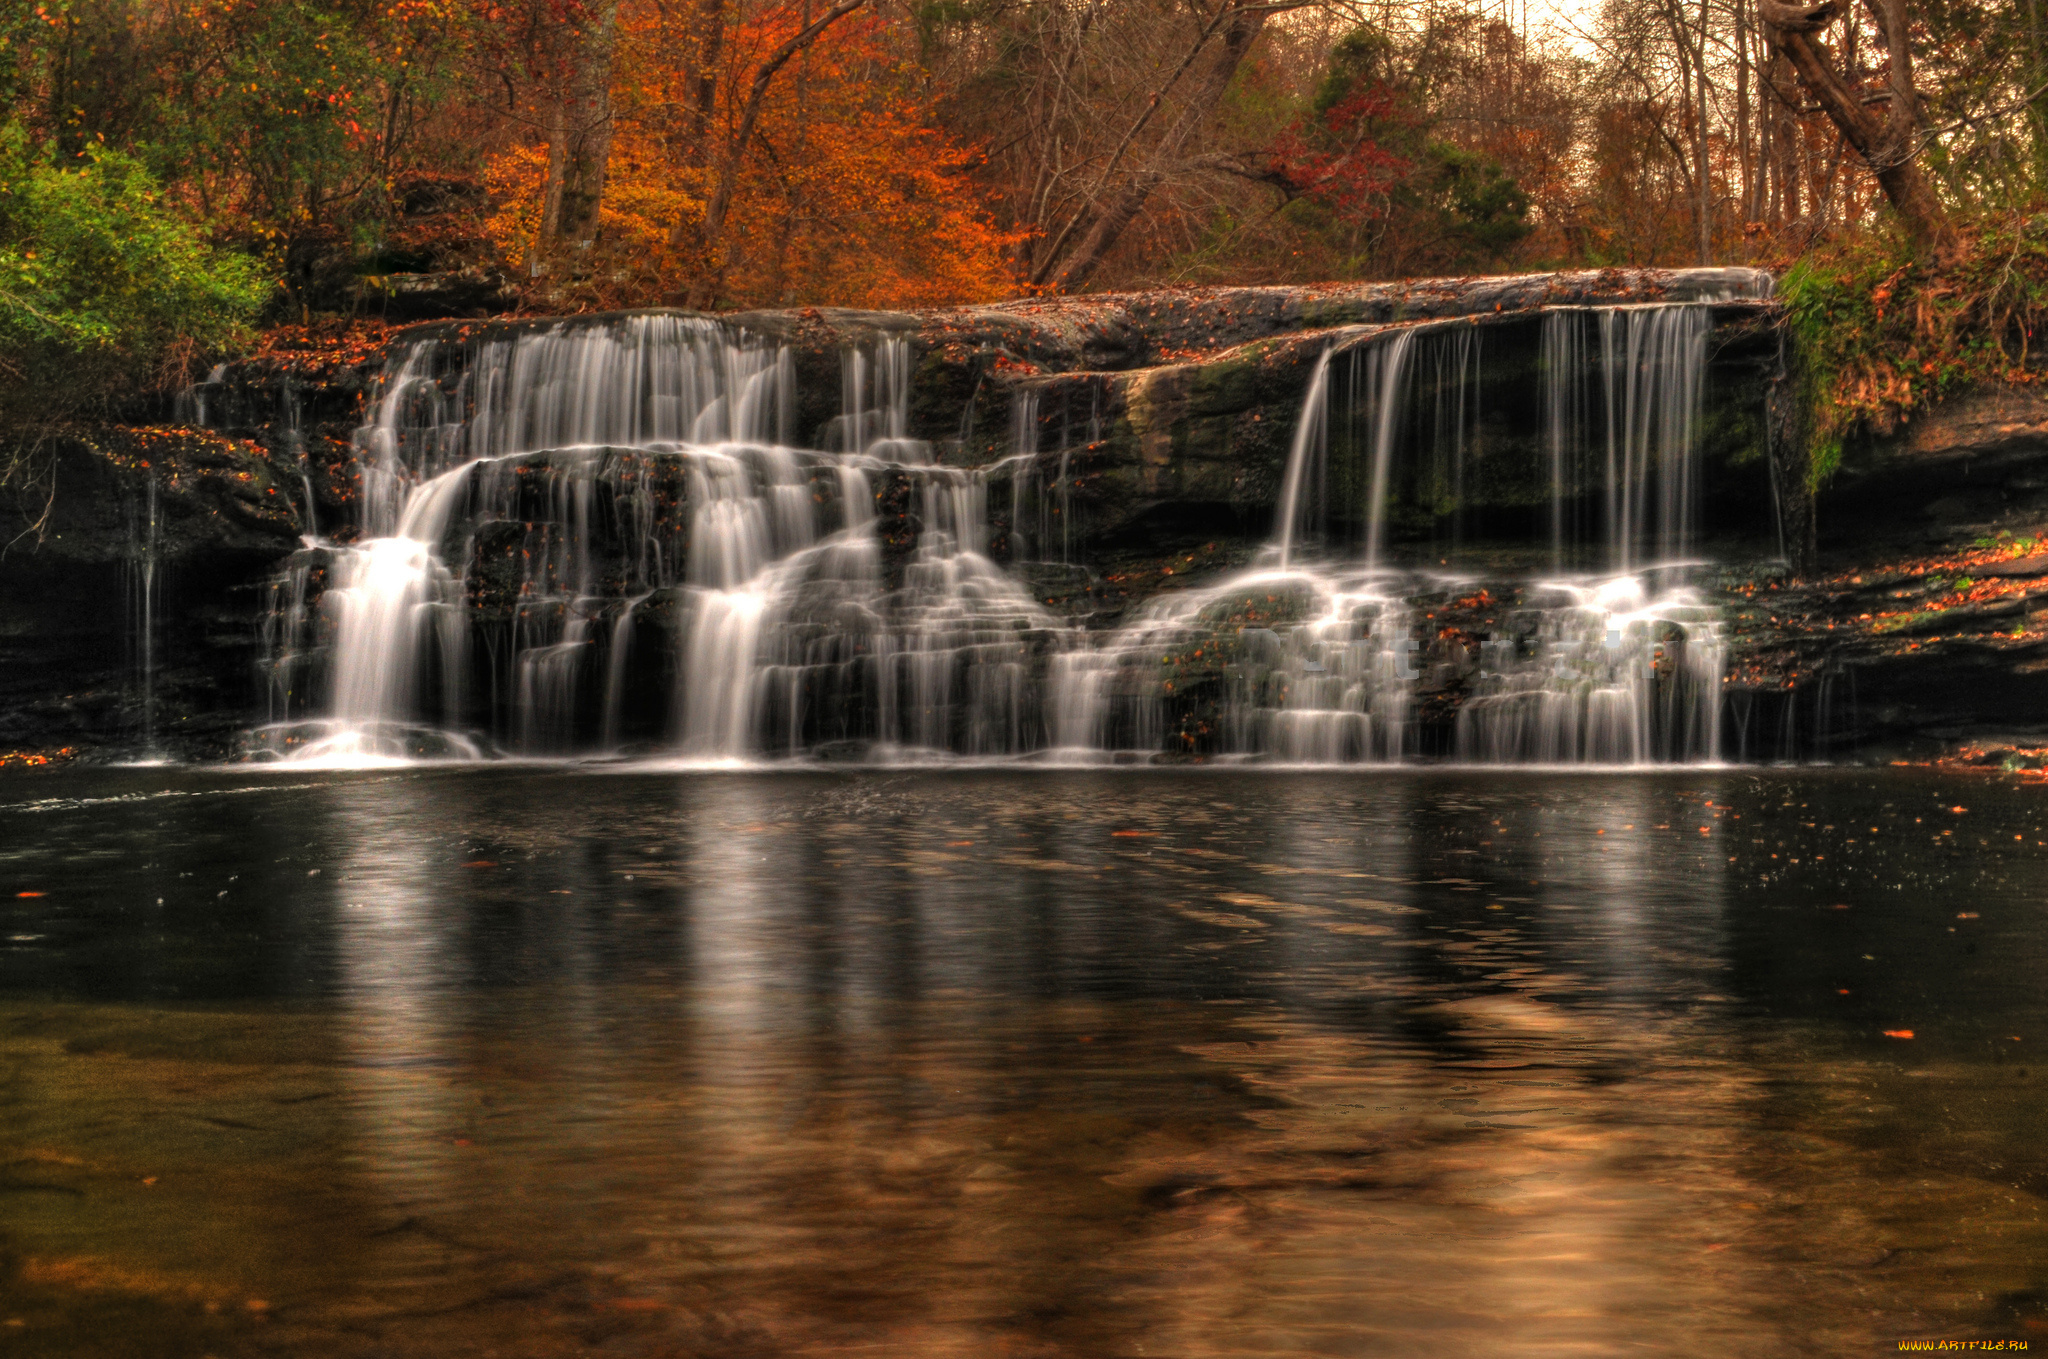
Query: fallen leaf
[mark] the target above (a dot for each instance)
(1134, 833)
(1966, 915)
(481, 863)
(31, 894)
(1898, 1033)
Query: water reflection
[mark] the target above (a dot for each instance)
(391, 943)
(1068, 1064)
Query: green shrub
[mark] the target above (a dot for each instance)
(105, 287)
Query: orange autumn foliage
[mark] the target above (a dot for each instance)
(845, 196)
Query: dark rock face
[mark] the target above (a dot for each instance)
(71, 610)
(1922, 624)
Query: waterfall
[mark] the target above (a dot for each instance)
(193, 404)
(144, 587)
(1305, 457)
(1599, 674)
(1387, 367)
(1562, 359)
(610, 537)
(534, 501)
(1622, 427)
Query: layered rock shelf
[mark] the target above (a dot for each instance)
(1160, 427)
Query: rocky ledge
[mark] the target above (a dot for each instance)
(1921, 627)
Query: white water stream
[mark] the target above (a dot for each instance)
(551, 516)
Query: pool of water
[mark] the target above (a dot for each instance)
(537, 1062)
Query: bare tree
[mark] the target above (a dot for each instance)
(1107, 216)
(1891, 144)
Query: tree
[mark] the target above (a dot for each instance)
(839, 192)
(710, 227)
(1889, 145)
(105, 288)
(580, 122)
(1078, 249)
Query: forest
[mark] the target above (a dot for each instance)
(178, 176)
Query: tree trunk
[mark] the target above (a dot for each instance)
(580, 130)
(1889, 146)
(1706, 169)
(1109, 223)
(708, 36)
(704, 290)
(1745, 142)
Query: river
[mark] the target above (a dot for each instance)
(540, 1061)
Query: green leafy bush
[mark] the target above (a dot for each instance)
(104, 286)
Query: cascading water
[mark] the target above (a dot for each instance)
(527, 500)
(1325, 659)
(144, 587)
(1622, 393)
(556, 523)
(1602, 670)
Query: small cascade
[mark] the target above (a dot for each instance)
(1043, 529)
(1622, 395)
(144, 587)
(1306, 459)
(1384, 377)
(1564, 424)
(194, 404)
(1297, 665)
(1320, 659)
(1598, 674)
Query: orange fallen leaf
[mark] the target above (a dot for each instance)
(1898, 1033)
(1966, 915)
(481, 863)
(31, 894)
(1134, 833)
(958, 844)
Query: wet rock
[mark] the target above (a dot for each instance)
(468, 293)
(83, 549)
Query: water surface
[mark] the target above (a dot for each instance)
(526, 1061)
